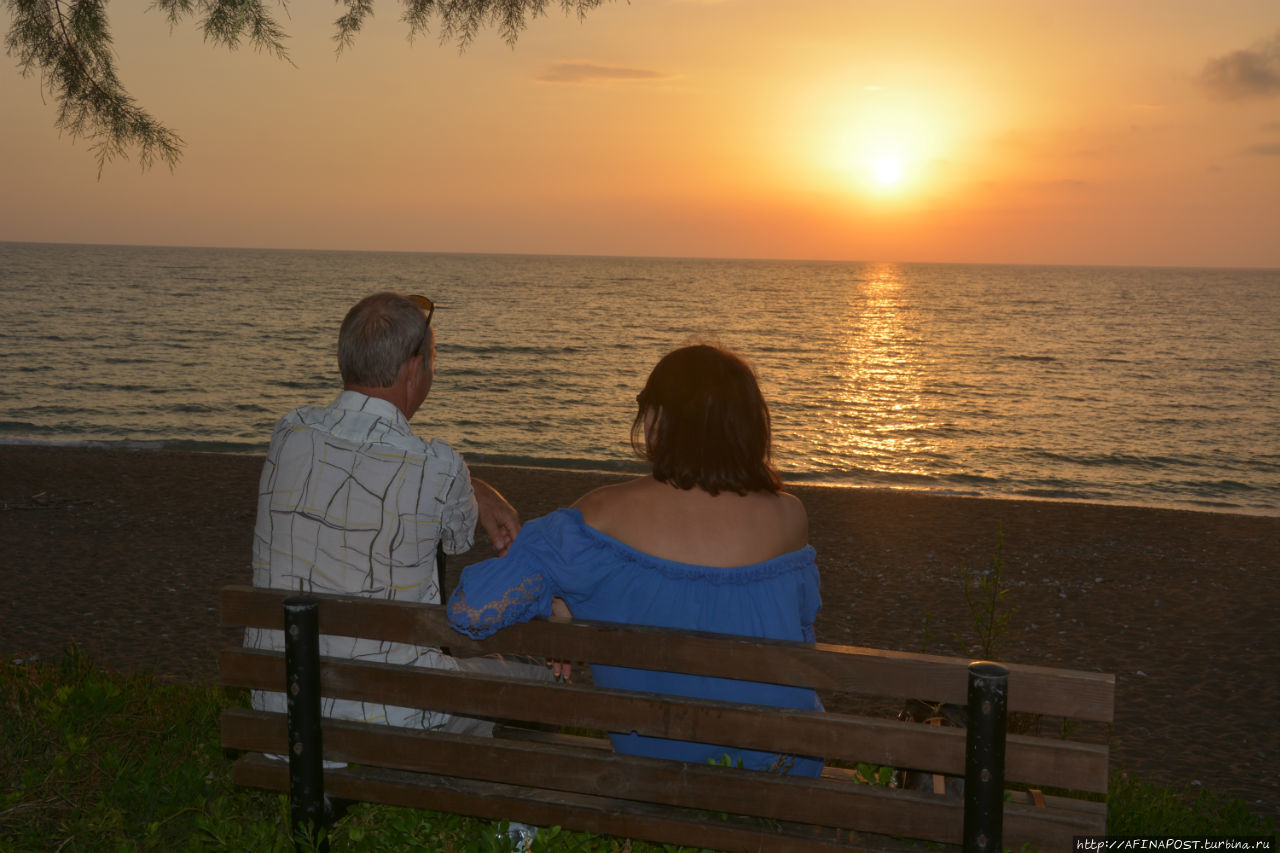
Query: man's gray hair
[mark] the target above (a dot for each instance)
(379, 334)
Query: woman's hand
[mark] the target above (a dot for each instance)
(561, 670)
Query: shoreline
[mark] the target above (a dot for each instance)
(633, 467)
(123, 552)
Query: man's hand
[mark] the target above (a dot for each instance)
(498, 518)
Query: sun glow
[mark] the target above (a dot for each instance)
(887, 170)
(884, 143)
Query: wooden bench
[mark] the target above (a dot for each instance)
(537, 776)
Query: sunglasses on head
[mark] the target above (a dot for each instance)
(425, 304)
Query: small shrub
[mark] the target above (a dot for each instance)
(990, 616)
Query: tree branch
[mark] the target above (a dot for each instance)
(70, 42)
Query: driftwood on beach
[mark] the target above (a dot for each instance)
(123, 553)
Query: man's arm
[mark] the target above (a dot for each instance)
(498, 518)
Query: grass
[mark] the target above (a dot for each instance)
(91, 760)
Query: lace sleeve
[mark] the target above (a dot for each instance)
(479, 615)
(493, 594)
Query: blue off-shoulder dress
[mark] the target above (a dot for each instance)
(603, 579)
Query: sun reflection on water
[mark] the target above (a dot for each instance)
(880, 419)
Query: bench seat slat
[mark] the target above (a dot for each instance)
(1093, 808)
(580, 812)
(1054, 763)
(589, 771)
(824, 802)
(1035, 690)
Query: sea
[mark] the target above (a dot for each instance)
(1117, 385)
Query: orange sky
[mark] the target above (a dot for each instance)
(1027, 131)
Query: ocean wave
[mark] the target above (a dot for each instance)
(1123, 460)
(23, 426)
(47, 409)
(1058, 494)
(567, 463)
(192, 408)
(107, 387)
(125, 444)
(204, 446)
(486, 350)
(192, 445)
(1218, 486)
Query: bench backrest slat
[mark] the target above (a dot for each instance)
(1034, 690)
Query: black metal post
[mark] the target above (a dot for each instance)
(302, 690)
(984, 758)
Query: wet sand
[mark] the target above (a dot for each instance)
(123, 552)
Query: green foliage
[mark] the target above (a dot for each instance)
(1139, 808)
(875, 774)
(102, 761)
(226, 22)
(928, 634)
(985, 594)
(726, 760)
(91, 757)
(69, 43)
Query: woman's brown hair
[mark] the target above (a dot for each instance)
(708, 423)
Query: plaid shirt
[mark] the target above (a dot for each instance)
(351, 501)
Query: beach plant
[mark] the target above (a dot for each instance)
(928, 637)
(985, 595)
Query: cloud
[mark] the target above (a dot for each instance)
(1248, 73)
(1266, 150)
(590, 72)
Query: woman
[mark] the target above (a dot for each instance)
(707, 542)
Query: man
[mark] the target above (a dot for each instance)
(351, 501)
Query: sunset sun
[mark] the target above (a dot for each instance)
(886, 170)
(881, 143)
(877, 161)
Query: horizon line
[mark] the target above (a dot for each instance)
(514, 254)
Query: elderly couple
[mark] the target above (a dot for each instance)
(352, 501)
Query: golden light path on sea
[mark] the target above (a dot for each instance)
(879, 423)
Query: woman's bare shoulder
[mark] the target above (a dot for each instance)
(606, 500)
(795, 519)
